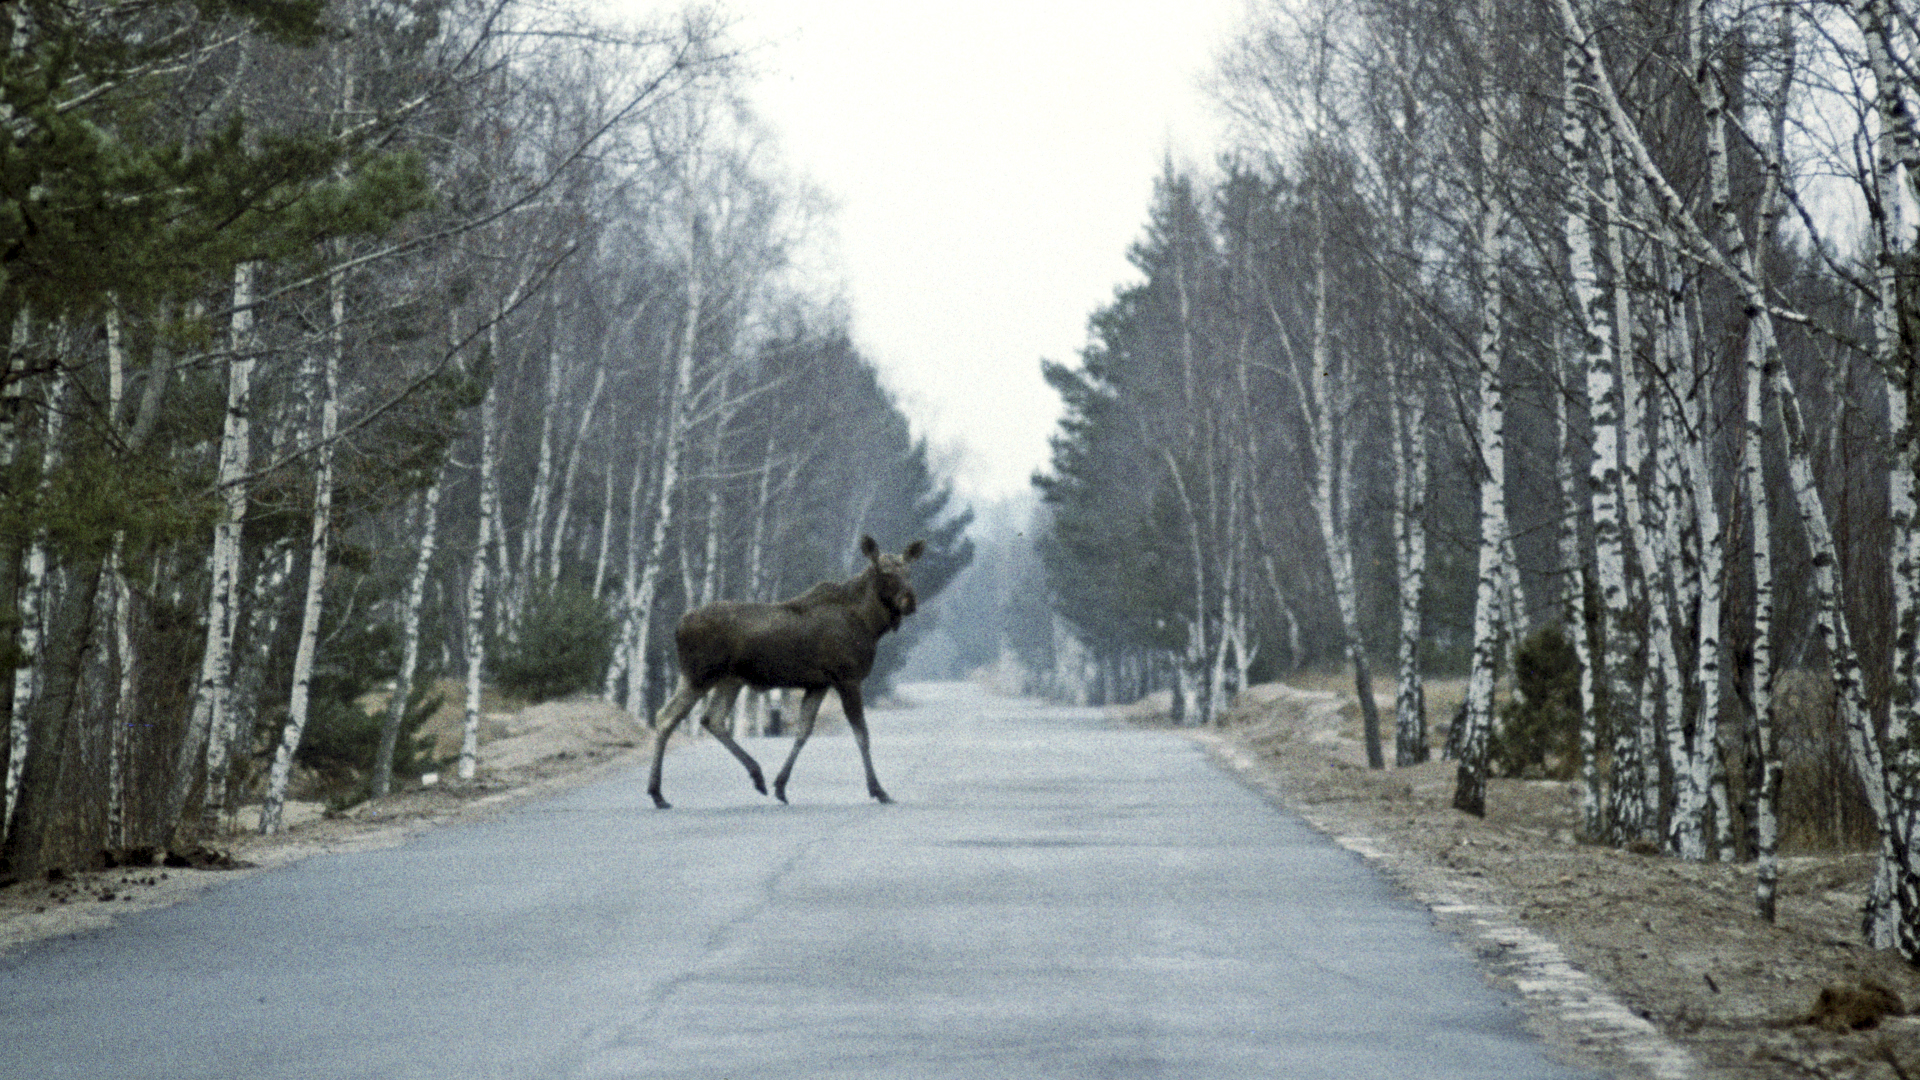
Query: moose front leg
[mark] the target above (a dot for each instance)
(715, 721)
(676, 709)
(809, 708)
(857, 720)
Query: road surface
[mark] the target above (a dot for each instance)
(1052, 896)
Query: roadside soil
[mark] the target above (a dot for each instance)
(1639, 965)
(525, 753)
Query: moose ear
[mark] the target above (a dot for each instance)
(914, 550)
(869, 547)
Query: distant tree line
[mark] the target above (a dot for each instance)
(355, 345)
(1593, 320)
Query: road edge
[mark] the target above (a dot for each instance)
(1568, 1008)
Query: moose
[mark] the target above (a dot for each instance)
(822, 639)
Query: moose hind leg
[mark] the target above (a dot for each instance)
(685, 696)
(715, 721)
(857, 720)
(809, 708)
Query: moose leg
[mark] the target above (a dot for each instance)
(857, 720)
(809, 708)
(715, 721)
(675, 710)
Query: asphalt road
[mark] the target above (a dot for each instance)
(1050, 897)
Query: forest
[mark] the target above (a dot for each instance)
(366, 354)
(1567, 347)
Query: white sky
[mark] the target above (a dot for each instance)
(991, 162)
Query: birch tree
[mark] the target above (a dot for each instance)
(325, 393)
(1470, 781)
(208, 736)
(403, 682)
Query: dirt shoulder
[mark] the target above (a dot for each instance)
(1635, 964)
(531, 753)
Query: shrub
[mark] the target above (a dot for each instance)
(1539, 732)
(561, 645)
(342, 738)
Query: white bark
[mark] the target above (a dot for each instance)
(33, 600)
(636, 489)
(564, 504)
(119, 610)
(1573, 607)
(207, 734)
(1662, 565)
(606, 538)
(641, 594)
(1767, 769)
(1470, 792)
(1198, 701)
(125, 665)
(1408, 403)
(1702, 785)
(1647, 593)
(1897, 198)
(757, 540)
(540, 498)
(1831, 628)
(1705, 788)
(1613, 493)
(409, 640)
(1594, 366)
(1326, 402)
(476, 629)
(298, 702)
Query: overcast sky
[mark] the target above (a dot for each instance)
(990, 162)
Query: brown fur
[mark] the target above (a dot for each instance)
(824, 639)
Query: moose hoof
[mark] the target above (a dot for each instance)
(759, 784)
(780, 792)
(660, 803)
(879, 796)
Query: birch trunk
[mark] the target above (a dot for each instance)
(1573, 614)
(1644, 518)
(1707, 783)
(125, 665)
(1196, 703)
(1764, 378)
(1598, 659)
(1614, 494)
(1830, 626)
(540, 499)
(1326, 418)
(1659, 555)
(606, 538)
(119, 610)
(300, 699)
(641, 594)
(1765, 770)
(206, 737)
(757, 540)
(1896, 298)
(409, 642)
(1470, 783)
(629, 581)
(476, 629)
(12, 561)
(32, 602)
(564, 504)
(1408, 418)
